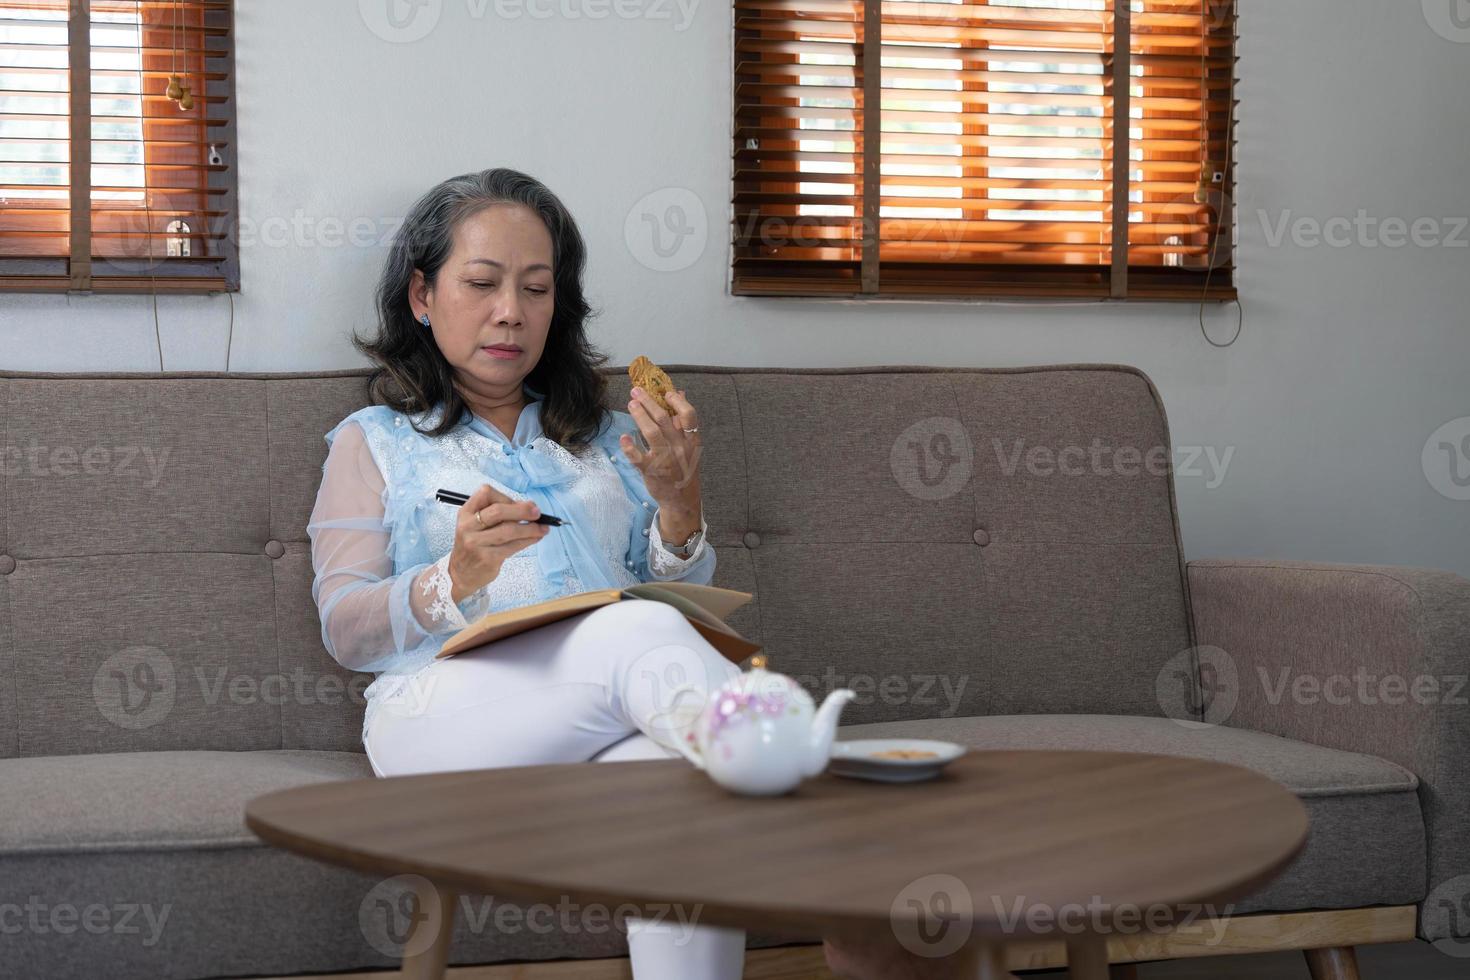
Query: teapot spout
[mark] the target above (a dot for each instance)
(824, 730)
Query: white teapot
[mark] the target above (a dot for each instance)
(758, 734)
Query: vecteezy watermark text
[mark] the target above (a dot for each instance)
(1363, 230)
(393, 914)
(97, 918)
(934, 915)
(1203, 686)
(137, 687)
(1099, 458)
(934, 459)
(891, 689)
(407, 21)
(123, 462)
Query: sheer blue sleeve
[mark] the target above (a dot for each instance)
(369, 613)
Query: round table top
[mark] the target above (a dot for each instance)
(1008, 839)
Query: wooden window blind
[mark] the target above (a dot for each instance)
(984, 148)
(107, 183)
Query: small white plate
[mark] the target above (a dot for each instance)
(856, 759)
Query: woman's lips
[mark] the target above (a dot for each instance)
(502, 352)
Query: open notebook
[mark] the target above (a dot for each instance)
(705, 606)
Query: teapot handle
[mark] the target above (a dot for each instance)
(686, 746)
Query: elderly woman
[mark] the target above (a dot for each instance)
(486, 384)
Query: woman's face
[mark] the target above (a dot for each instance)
(496, 288)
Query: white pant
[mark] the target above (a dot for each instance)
(593, 687)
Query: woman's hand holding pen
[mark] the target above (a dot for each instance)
(489, 531)
(670, 466)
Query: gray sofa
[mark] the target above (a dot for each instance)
(942, 540)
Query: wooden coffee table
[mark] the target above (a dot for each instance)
(1005, 846)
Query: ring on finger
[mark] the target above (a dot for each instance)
(480, 522)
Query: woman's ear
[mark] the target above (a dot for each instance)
(418, 294)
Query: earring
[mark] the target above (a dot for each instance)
(424, 319)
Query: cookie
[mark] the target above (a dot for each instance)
(651, 378)
(904, 754)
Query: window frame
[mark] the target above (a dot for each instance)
(859, 274)
(84, 273)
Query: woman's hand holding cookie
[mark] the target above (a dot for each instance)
(670, 465)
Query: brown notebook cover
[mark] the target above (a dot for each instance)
(705, 606)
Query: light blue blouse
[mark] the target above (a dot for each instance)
(380, 478)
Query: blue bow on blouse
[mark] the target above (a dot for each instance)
(525, 468)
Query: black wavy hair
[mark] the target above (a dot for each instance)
(412, 375)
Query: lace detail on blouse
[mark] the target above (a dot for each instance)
(664, 563)
(439, 587)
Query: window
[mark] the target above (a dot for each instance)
(132, 186)
(995, 166)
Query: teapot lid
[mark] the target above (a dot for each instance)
(759, 680)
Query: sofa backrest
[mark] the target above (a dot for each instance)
(943, 541)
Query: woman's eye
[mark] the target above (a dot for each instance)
(539, 291)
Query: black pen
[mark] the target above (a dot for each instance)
(459, 500)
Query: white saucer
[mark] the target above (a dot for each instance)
(855, 759)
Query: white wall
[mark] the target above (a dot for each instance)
(1350, 357)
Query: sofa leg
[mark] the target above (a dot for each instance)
(1333, 963)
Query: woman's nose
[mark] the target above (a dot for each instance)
(508, 313)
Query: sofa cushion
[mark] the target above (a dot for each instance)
(149, 800)
(1366, 845)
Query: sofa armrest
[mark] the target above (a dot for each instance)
(1365, 658)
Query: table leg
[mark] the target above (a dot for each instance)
(984, 961)
(426, 953)
(1087, 957)
(1339, 963)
